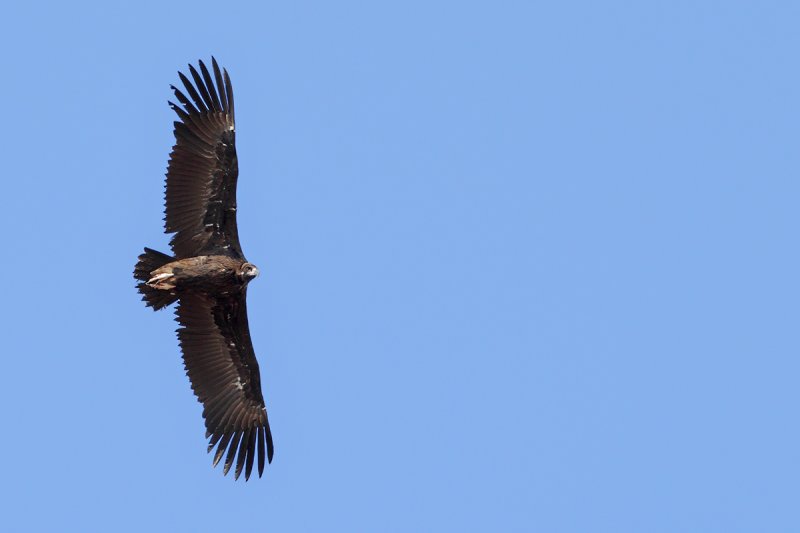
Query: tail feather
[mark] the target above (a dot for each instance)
(149, 261)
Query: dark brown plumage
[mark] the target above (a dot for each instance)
(209, 274)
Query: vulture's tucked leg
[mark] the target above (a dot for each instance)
(163, 281)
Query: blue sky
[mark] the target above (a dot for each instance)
(526, 266)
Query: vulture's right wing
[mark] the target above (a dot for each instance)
(203, 168)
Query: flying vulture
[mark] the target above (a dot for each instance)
(208, 274)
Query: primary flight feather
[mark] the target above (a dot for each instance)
(208, 274)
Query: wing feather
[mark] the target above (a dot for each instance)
(201, 88)
(261, 433)
(221, 365)
(200, 204)
(198, 101)
(231, 452)
(223, 445)
(244, 453)
(185, 102)
(228, 92)
(251, 452)
(210, 85)
(220, 83)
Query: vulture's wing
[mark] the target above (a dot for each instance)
(221, 364)
(203, 169)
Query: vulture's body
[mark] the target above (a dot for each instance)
(208, 274)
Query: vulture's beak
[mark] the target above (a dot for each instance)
(252, 273)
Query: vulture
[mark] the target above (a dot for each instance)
(208, 274)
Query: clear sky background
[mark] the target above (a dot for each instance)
(526, 266)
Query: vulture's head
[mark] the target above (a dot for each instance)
(247, 272)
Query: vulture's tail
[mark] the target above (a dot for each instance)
(149, 261)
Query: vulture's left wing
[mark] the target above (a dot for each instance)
(203, 168)
(220, 362)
